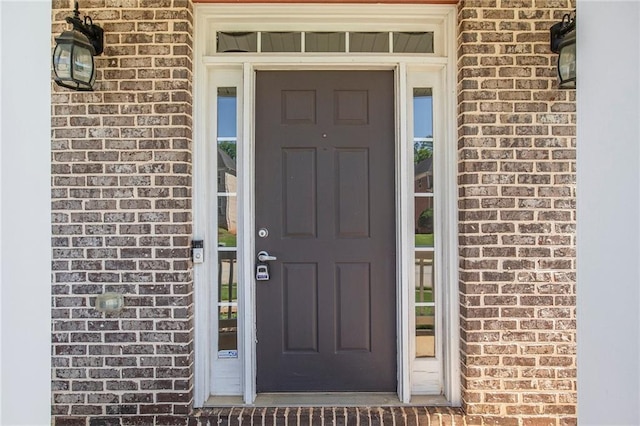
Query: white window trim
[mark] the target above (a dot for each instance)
(209, 19)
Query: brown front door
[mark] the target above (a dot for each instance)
(326, 318)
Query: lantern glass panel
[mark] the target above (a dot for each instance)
(567, 62)
(62, 61)
(82, 64)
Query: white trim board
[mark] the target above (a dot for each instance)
(440, 71)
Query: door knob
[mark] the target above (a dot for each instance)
(263, 256)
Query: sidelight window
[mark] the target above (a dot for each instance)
(227, 294)
(222, 266)
(425, 306)
(433, 253)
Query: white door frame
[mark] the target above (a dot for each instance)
(209, 19)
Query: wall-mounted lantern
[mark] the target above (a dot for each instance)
(563, 42)
(73, 63)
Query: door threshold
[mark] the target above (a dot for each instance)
(322, 399)
(328, 399)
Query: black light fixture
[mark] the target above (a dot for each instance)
(563, 42)
(73, 63)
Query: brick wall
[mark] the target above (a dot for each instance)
(121, 198)
(517, 215)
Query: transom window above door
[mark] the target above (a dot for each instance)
(324, 42)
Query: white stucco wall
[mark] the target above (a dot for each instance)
(608, 259)
(25, 163)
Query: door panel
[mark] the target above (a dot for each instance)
(299, 166)
(352, 188)
(353, 293)
(325, 191)
(300, 286)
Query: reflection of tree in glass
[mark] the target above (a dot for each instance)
(422, 150)
(229, 148)
(425, 221)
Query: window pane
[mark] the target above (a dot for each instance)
(227, 221)
(423, 139)
(325, 42)
(227, 332)
(227, 141)
(425, 305)
(227, 176)
(369, 42)
(422, 113)
(425, 331)
(423, 168)
(281, 42)
(227, 112)
(227, 278)
(227, 304)
(414, 42)
(229, 42)
(424, 228)
(424, 277)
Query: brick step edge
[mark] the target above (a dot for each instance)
(287, 416)
(325, 416)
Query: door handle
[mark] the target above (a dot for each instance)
(263, 256)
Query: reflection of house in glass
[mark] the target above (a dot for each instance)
(423, 183)
(227, 183)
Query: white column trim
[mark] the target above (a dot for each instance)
(404, 236)
(247, 301)
(25, 213)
